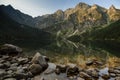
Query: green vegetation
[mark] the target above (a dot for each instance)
(111, 32)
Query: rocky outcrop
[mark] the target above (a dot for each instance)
(113, 13)
(81, 18)
(10, 49)
(17, 67)
(39, 64)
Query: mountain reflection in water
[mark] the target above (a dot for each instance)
(66, 51)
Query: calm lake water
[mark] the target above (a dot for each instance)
(69, 52)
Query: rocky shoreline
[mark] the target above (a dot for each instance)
(38, 67)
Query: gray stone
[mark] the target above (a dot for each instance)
(118, 75)
(61, 68)
(118, 68)
(79, 78)
(14, 64)
(51, 68)
(90, 62)
(2, 66)
(2, 72)
(117, 71)
(93, 73)
(5, 57)
(39, 59)
(38, 78)
(20, 75)
(10, 49)
(85, 75)
(10, 72)
(117, 78)
(112, 75)
(72, 69)
(7, 64)
(10, 79)
(35, 69)
(106, 76)
(22, 60)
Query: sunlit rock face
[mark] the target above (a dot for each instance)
(80, 17)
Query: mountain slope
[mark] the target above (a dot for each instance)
(80, 18)
(17, 16)
(11, 30)
(111, 32)
(73, 21)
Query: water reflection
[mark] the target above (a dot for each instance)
(66, 51)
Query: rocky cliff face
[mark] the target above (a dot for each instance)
(81, 17)
(113, 13)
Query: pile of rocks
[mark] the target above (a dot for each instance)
(38, 68)
(21, 68)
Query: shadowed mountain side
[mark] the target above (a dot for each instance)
(11, 30)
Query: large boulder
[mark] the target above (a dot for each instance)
(10, 49)
(39, 64)
(35, 69)
(72, 70)
(39, 59)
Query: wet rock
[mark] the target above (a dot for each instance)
(10, 49)
(35, 69)
(39, 59)
(85, 76)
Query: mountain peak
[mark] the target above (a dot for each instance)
(9, 6)
(112, 7)
(59, 11)
(82, 5)
(95, 6)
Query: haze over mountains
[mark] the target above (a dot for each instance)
(72, 21)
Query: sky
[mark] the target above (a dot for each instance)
(42, 7)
